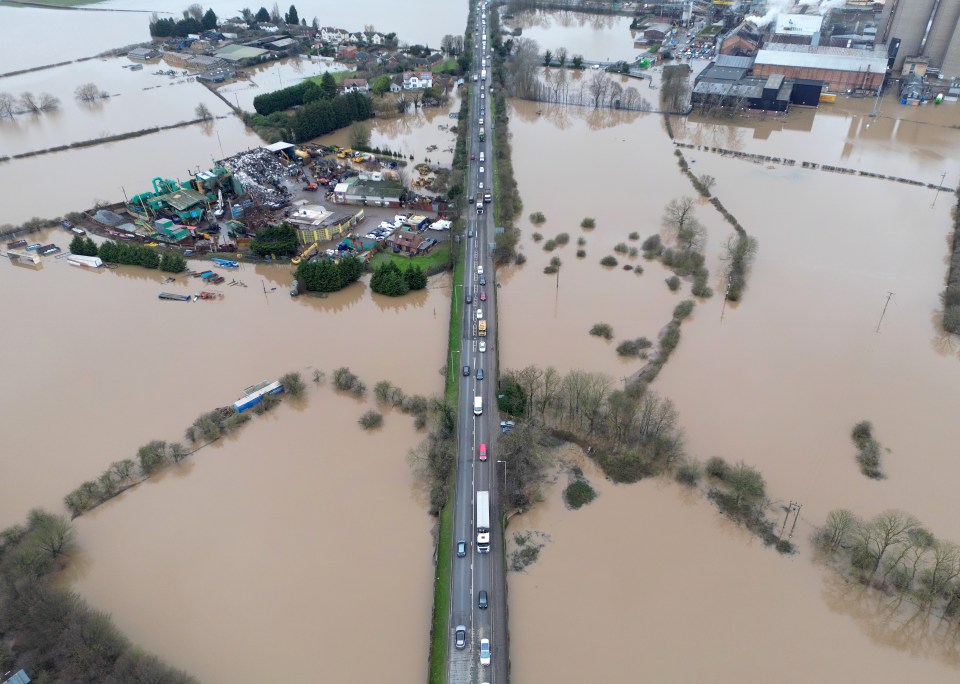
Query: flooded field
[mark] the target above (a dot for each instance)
(778, 382)
(282, 549)
(671, 592)
(603, 37)
(265, 78)
(96, 376)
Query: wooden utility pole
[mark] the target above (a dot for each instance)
(939, 188)
(889, 297)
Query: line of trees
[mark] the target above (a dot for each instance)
(951, 295)
(302, 93)
(27, 103)
(140, 255)
(389, 279)
(51, 632)
(326, 115)
(688, 235)
(868, 450)
(326, 276)
(83, 246)
(194, 20)
(895, 553)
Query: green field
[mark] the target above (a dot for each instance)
(338, 76)
(431, 262)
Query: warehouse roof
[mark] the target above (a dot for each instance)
(734, 61)
(829, 58)
(238, 52)
(798, 24)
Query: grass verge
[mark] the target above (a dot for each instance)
(431, 263)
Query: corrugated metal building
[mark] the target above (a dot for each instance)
(907, 20)
(840, 69)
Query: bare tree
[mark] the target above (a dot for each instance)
(836, 532)
(7, 105)
(47, 102)
(875, 539)
(203, 112)
(561, 56)
(275, 15)
(523, 67)
(29, 103)
(614, 94)
(675, 88)
(88, 92)
(368, 28)
(195, 10)
(598, 86)
(679, 219)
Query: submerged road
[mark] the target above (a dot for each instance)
(475, 571)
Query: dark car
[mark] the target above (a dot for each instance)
(482, 599)
(461, 548)
(461, 636)
(483, 280)
(479, 374)
(466, 370)
(469, 299)
(472, 199)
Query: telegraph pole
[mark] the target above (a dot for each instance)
(939, 188)
(889, 297)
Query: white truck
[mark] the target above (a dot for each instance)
(483, 74)
(477, 406)
(483, 522)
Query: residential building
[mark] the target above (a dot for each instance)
(331, 34)
(414, 80)
(346, 52)
(375, 38)
(406, 239)
(356, 85)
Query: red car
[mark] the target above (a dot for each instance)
(483, 452)
(472, 157)
(483, 296)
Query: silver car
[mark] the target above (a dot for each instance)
(461, 636)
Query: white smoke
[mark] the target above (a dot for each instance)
(775, 7)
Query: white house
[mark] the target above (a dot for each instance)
(414, 80)
(356, 85)
(375, 38)
(331, 34)
(357, 37)
(395, 87)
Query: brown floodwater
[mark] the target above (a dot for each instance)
(603, 37)
(777, 382)
(287, 548)
(112, 381)
(669, 591)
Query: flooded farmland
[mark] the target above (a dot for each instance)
(656, 586)
(602, 37)
(778, 383)
(281, 549)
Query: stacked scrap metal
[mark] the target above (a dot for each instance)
(262, 176)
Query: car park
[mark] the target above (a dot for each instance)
(461, 636)
(483, 452)
(461, 548)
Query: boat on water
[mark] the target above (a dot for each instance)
(226, 263)
(23, 257)
(174, 297)
(85, 261)
(17, 244)
(48, 249)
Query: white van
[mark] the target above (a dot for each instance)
(483, 156)
(480, 122)
(477, 406)
(481, 170)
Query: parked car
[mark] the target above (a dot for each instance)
(461, 636)
(483, 452)
(461, 548)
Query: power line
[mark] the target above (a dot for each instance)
(889, 297)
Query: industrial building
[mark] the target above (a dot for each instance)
(368, 191)
(797, 29)
(315, 223)
(728, 84)
(840, 69)
(922, 28)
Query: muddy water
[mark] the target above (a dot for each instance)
(85, 33)
(912, 142)
(632, 195)
(778, 383)
(691, 598)
(98, 376)
(593, 36)
(284, 548)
